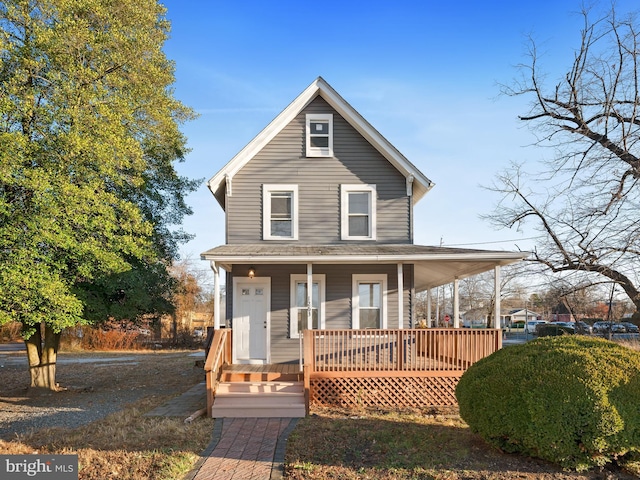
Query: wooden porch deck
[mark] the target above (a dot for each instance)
(366, 368)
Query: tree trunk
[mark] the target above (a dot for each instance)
(42, 358)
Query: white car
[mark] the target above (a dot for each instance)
(530, 327)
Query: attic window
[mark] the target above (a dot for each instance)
(319, 135)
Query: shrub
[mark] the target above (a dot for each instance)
(553, 330)
(572, 400)
(93, 338)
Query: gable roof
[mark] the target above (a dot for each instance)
(420, 183)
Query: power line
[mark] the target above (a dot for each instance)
(488, 243)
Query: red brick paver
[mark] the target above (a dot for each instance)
(245, 451)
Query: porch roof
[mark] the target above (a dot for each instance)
(434, 266)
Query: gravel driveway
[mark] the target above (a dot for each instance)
(98, 385)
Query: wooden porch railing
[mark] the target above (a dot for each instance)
(218, 356)
(348, 355)
(405, 350)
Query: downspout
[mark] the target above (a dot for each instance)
(409, 182)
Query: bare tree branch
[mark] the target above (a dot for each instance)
(585, 200)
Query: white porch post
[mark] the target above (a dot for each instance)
(309, 295)
(496, 313)
(400, 297)
(429, 308)
(216, 295)
(456, 304)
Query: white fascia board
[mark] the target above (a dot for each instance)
(264, 137)
(421, 183)
(503, 259)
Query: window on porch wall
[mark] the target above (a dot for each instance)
(299, 318)
(370, 305)
(369, 301)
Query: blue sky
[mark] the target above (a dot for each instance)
(424, 73)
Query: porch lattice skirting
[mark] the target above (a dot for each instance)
(384, 392)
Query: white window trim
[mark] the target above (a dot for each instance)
(344, 209)
(319, 151)
(293, 310)
(380, 278)
(266, 211)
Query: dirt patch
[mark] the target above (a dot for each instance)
(97, 384)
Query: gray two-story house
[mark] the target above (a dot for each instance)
(320, 198)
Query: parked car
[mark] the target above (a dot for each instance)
(198, 332)
(554, 329)
(605, 327)
(630, 327)
(531, 325)
(583, 328)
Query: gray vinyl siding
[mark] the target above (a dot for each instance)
(337, 299)
(283, 161)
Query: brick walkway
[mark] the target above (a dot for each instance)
(245, 449)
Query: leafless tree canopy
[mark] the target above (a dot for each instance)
(585, 198)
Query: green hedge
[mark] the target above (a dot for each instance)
(572, 400)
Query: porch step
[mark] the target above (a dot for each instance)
(259, 399)
(232, 376)
(248, 388)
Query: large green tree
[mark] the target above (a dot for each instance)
(89, 135)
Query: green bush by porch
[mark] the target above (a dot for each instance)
(569, 400)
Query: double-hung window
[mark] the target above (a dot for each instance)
(280, 212)
(319, 135)
(358, 207)
(299, 313)
(369, 301)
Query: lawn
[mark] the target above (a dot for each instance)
(332, 444)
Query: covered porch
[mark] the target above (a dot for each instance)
(346, 364)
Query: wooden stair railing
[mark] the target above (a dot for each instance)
(219, 355)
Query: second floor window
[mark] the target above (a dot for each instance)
(358, 206)
(280, 212)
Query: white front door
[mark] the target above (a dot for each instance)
(251, 306)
